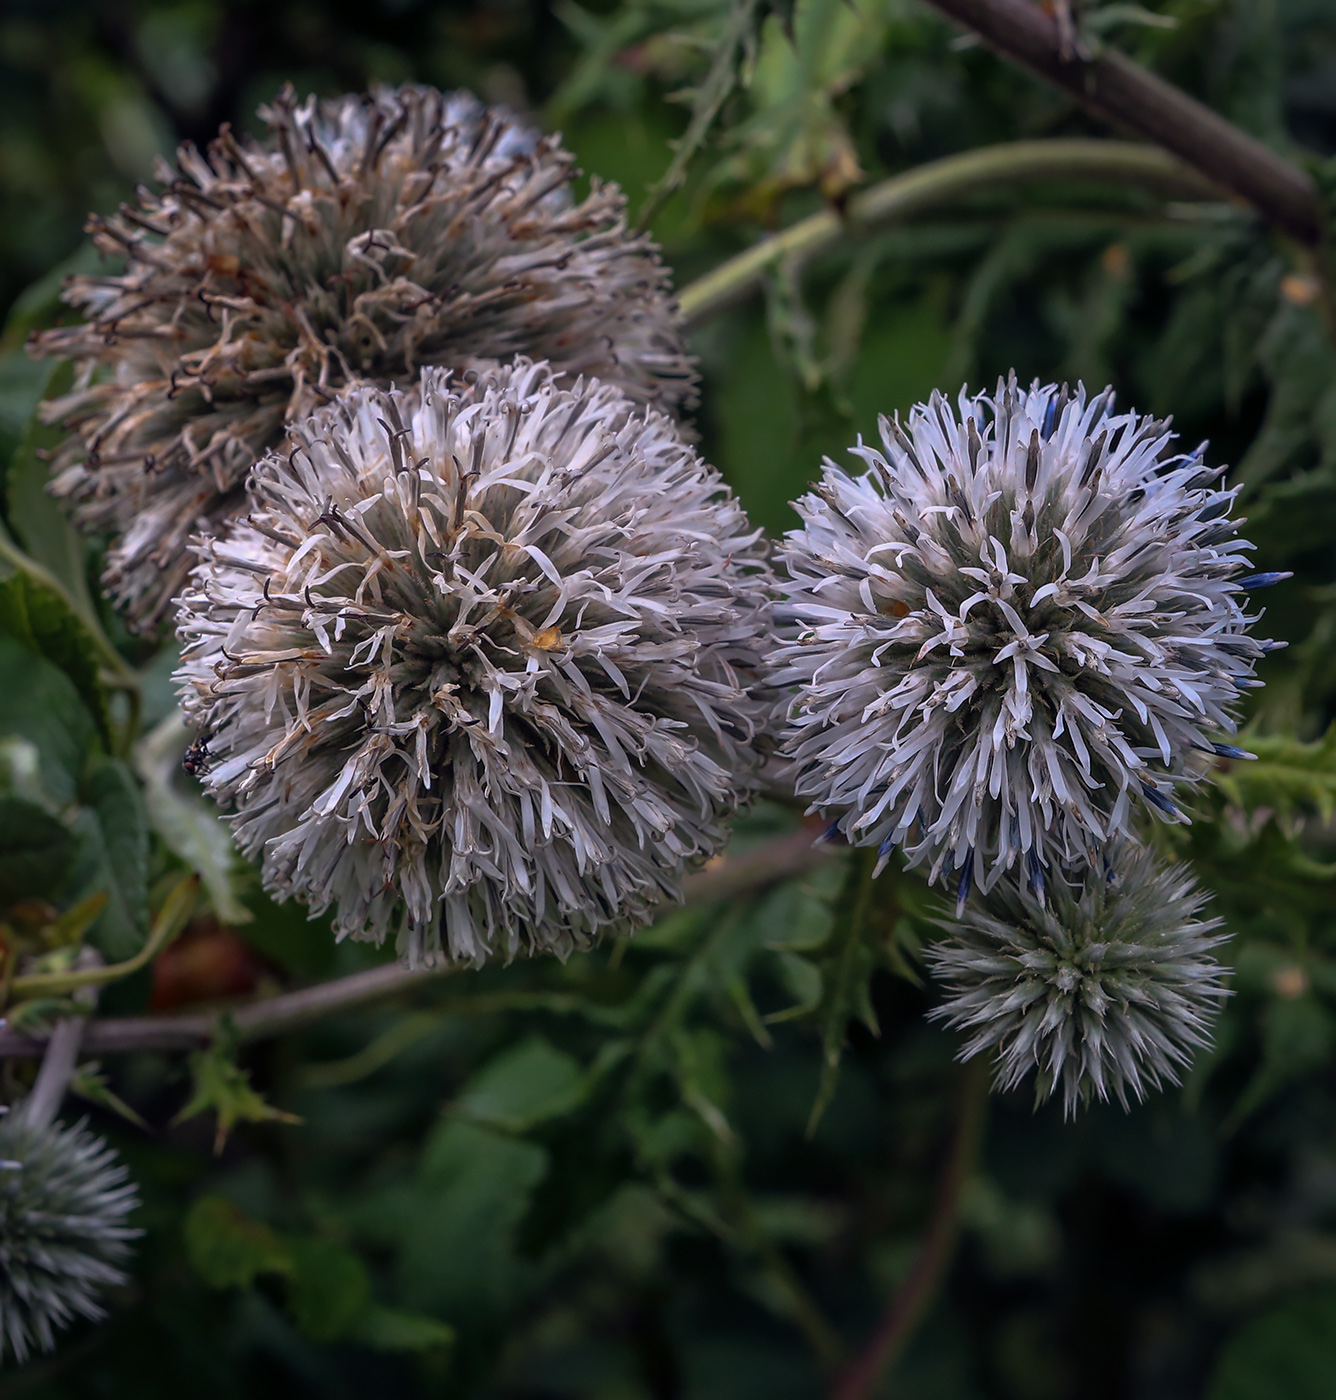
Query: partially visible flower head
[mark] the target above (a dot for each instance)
(1105, 987)
(364, 238)
(476, 667)
(1021, 626)
(64, 1200)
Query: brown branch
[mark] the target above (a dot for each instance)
(861, 1379)
(779, 859)
(1125, 94)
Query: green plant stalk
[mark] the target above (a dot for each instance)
(172, 918)
(938, 183)
(906, 1309)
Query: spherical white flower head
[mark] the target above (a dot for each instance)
(476, 667)
(64, 1199)
(361, 240)
(1102, 988)
(1020, 626)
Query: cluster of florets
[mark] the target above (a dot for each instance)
(64, 1200)
(1006, 644)
(476, 667)
(1020, 627)
(1103, 988)
(474, 650)
(364, 238)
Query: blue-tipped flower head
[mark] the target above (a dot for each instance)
(1018, 629)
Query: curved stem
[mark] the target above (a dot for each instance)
(942, 182)
(172, 917)
(862, 1378)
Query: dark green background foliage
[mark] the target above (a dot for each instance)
(600, 1179)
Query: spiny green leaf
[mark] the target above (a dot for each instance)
(222, 1087)
(1287, 775)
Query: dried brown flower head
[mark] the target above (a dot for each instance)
(364, 238)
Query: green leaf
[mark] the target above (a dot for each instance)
(228, 1249)
(114, 857)
(36, 518)
(40, 304)
(40, 703)
(35, 850)
(328, 1288)
(846, 966)
(221, 1086)
(1287, 774)
(528, 1084)
(457, 1225)
(394, 1329)
(1289, 1351)
(190, 826)
(23, 381)
(88, 1082)
(41, 620)
(1298, 1034)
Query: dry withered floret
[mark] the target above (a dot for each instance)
(362, 239)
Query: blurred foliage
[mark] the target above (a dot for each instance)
(696, 1165)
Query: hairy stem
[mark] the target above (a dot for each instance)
(1125, 94)
(39, 1109)
(860, 1381)
(779, 859)
(938, 183)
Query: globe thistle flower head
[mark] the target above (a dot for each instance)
(64, 1201)
(361, 240)
(1101, 987)
(1020, 628)
(476, 668)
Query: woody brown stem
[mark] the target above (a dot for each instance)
(1126, 95)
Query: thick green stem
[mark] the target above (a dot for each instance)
(943, 182)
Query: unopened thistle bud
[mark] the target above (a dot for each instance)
(363, 239)
(476, 667)
(1101, 988)
(1021, 627)
(64, 1200)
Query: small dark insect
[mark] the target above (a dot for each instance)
(197, 760)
